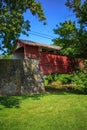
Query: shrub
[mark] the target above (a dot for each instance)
(78, 79)
(62, 78)
(48, 79)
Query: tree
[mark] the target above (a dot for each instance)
(12, 21)
(72, 39)
(79, 8)
(67, 38)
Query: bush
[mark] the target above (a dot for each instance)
(78, 79)
(62, 78)
(48, 79)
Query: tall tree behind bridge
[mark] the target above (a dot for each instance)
(73, 39)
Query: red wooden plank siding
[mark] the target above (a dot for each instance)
(31, 52)
(52, 63)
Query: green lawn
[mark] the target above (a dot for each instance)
(60, 111)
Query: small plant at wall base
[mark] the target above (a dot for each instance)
(50, 78)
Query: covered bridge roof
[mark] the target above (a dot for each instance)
(31, 43)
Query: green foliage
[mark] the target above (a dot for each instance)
(48, 79)
(71, 35)
(62, 78)
(80, 10)
(77, 79)
(80, 79)
(12, 21)
(5, 56)
(79, 7)
(65, 78)
(67, 38)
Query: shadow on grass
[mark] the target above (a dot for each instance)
(9, 102)
(14, 101)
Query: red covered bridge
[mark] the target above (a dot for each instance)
(50, 59)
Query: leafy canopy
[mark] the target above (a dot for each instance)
(67, 38)
(71, 37)
(12, 21)
(79, 7)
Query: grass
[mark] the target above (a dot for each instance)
(59, 111)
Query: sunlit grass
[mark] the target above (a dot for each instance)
(61, 111)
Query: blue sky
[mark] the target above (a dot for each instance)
(55, 12)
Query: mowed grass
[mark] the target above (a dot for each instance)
(60, 111)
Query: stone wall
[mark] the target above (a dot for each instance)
(20, 77)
